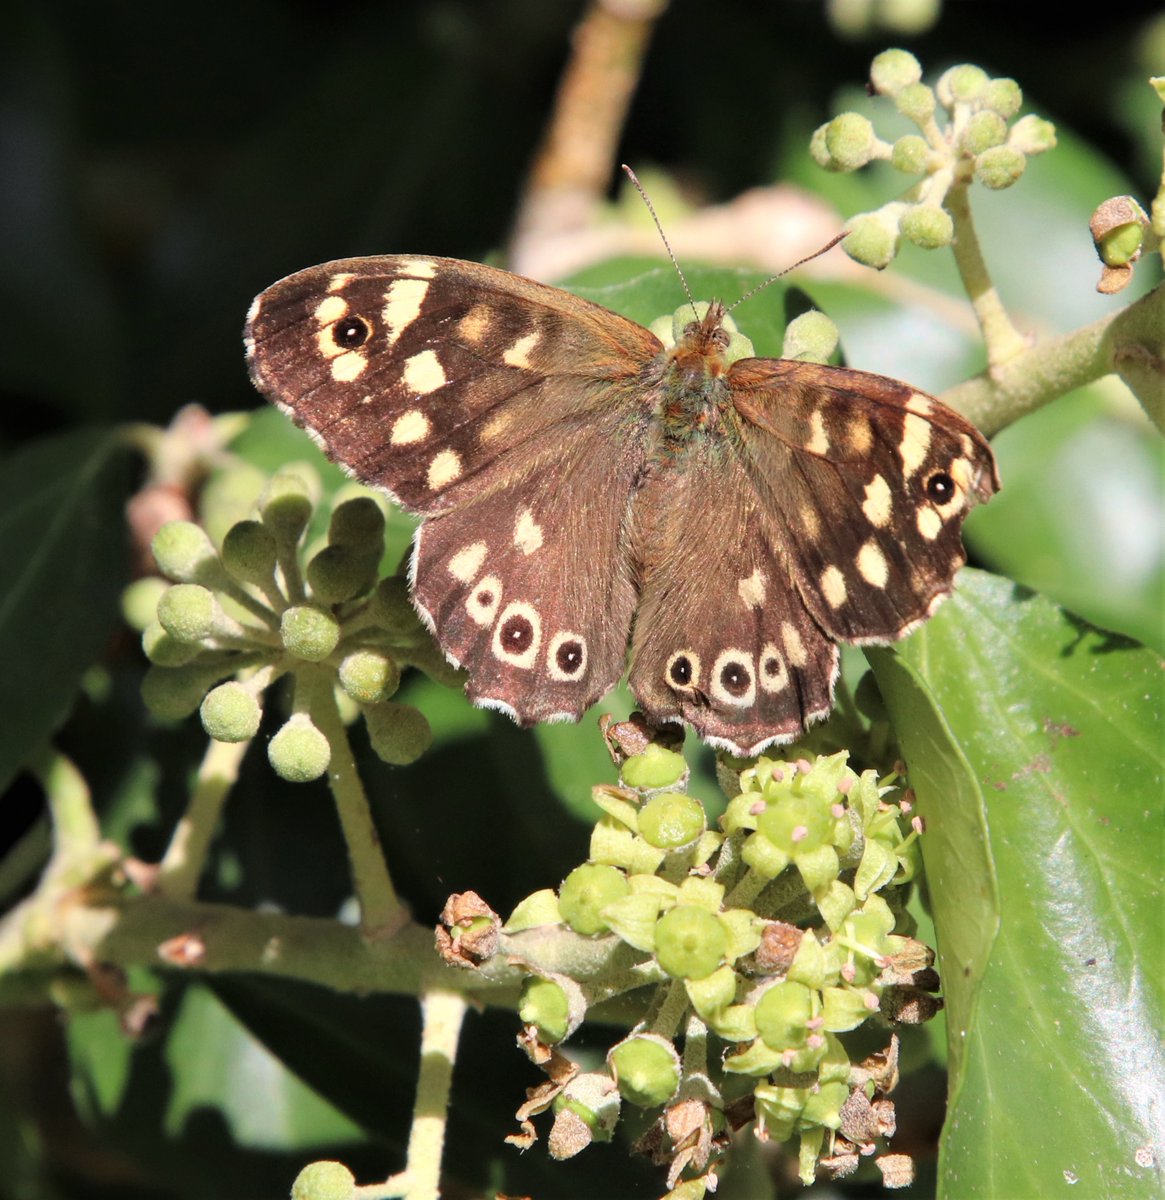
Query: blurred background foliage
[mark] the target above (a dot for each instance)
(162, 165)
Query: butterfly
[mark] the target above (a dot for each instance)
(584, 486)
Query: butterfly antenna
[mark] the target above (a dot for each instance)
(799, 263)
(662, 236)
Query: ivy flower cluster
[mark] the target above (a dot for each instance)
(980, 140)
(224, 623)
(777, 934)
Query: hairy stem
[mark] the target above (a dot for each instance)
(381, 912)
(1002, 339)
(181, 865)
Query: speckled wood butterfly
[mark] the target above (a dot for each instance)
(583, 484)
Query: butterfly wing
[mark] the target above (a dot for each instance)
(722, 640)
(866, 482)
(830, 504)
(507, 413)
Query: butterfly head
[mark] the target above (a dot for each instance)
(705, 329)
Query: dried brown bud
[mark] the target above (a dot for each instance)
(468, 933)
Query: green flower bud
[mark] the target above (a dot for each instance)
(339, 572)
(299, 752)
(369, 676)
(324, 1181)
(984, 130)
(544, 1004)
(585, 892)
(892, 70)
(783, 1014)
(286, 503)
(1121, 245)
(911, 154)
(850, 142)
(186, 612)
(654, 768)
(248, 552)
(184, 554)
(811, 337)
(586, 1111)
(1032, 135)
(391, 607)
(165, 650)
(999, 167)
(358, 523)
(139, 601)
(871, 240)
(308, 632)
(230, 713)
(646, 1068)
(797, 824)
(539, 908)
(671, 820)
(1002, 96)
(962, 85)
(928, 226)
(845, 1008)
(399, 733)
(916, 103)
(689, 942)
(779, 1108)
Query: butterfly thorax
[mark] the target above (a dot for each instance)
(694, 392)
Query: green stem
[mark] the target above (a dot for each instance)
(381, 912)
(666, 1017)
(181, 865)
(75, 826)
(442, 1014)
(1002, 339)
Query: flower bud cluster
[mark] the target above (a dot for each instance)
(978, 140)
(775, 933)
(237, 615)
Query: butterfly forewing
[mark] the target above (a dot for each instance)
(864, 482)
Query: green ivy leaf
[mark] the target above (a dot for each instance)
(1060, 726)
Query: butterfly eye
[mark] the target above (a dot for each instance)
(351, 332)
(940, 487)
(720, 339)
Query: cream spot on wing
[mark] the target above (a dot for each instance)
(818, 442)
(498, 423)
(517, 634)
(918, 403)
(967, 444)
(330, 309)
(960, 472)
(774, 675)
(929, 523)
(423, 373)
(326, 343)
(733, 679)
(527, 532)
(518, 355)
(915, 443)
(566, 657)
(339, 282)
(482, 603)
(878, 504)
(794, 646)
(752, 589)
(860, 434)
(466, 563)
(402, 304)
(443, 470)
(811, 521)
(475, 324)
(409, 427)
(833, 586)
(419, 268)
(349, 366)
(872, 565)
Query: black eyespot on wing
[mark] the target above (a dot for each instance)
(940, 487)
(517, 634)
(680, 671)
(735, 678)
(351, 332)
(569, 657)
